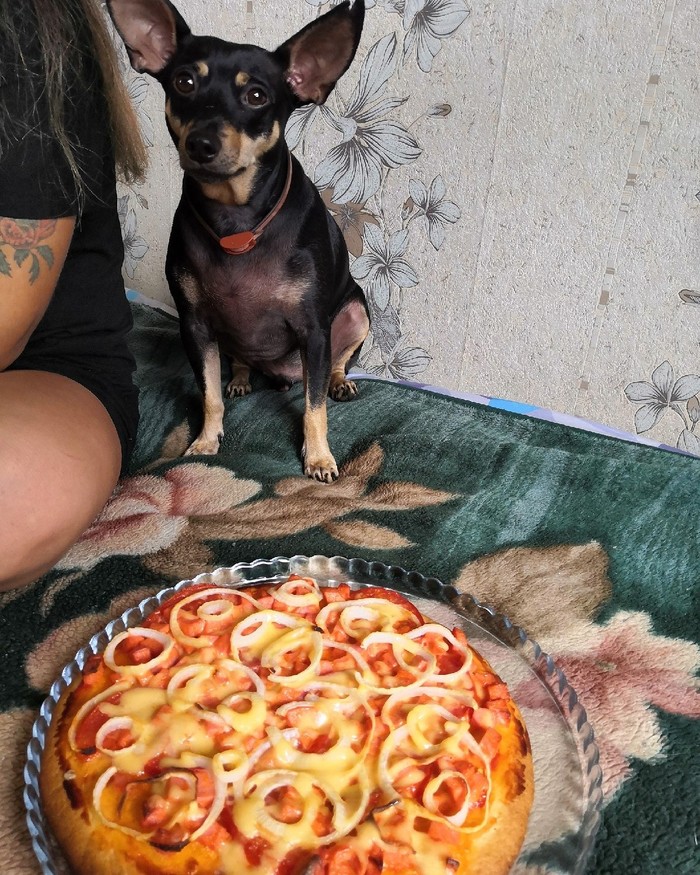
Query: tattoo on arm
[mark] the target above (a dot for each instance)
(20, 240)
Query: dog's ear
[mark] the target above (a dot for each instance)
(150, 30)
(317, 56)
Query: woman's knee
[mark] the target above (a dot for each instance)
(59, 462)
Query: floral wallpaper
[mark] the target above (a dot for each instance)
(489, 265)
(665, 393)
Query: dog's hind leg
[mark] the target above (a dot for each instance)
(348, 332)
(239, 384)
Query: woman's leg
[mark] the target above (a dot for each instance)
(59, 462)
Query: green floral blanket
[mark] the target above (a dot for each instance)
(589, 543)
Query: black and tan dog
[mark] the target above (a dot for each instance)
(256, 265)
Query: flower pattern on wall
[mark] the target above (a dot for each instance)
(357, 175)
(371, 142)
(382, 264)
(432, 210)
(427, 23)
(663, 393)
(135, 245)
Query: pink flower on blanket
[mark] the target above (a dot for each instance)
(619, 670)
(148, 513)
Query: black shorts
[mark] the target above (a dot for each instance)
(117, 393)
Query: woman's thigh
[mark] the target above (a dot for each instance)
(59, 462)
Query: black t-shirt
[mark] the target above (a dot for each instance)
(83, 331)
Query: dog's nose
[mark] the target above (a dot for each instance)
(202, 147)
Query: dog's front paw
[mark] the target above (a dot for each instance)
(238, 388)
(323, 469)
(205, 445)
(343, 390)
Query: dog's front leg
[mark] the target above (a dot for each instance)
(316, 358)
(202, 349)
(211, 435)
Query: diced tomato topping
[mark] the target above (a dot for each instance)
(226, 820)
(311, 743)
(484, 718)
(85, 736)
(288, 804)
(156, 811)
(205, 788)
(152, 767)
(502, 715)
(293, 863)
(141, 655)
(341, 593)
(478, 786)
(254, 850)
(498, 691)
(344, 662)
(490, 742)
(341, 860)
(222, 644)
(440, 831)
(399, 861)
(118, 739)
(449, 662)
(214, 837)
(95, 672)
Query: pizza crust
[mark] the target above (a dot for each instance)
(495, 849)
(93, 848)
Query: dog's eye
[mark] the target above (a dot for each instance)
(184, 82)
(255, 97)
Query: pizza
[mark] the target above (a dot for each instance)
(287, 729)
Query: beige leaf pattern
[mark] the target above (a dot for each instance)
(404, 496)
(366, 535)
(184, 559)
(540, 589)
(301, 504)
(54, 589)
(174, 445)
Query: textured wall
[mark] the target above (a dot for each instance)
(519, 183)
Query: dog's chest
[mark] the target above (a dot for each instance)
(250, 301)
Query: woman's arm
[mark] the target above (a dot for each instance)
(32, 252)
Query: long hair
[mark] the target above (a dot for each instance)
(71, 32)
